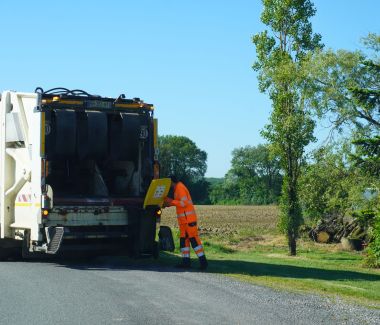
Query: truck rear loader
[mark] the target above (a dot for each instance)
(74, 172)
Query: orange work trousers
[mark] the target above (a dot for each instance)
(188, 233)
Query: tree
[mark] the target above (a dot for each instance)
(180, 156)
(257, 174)
(367, 156)
(254, 178)
(348, 91)
(226, 192)
(280, 66)
(346, 84)
(331, 185)
(367, 98)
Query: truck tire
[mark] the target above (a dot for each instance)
(142, 234)
(133, 243)
(133, 233)
(10, 249)
(26, 254)
(4, 254)
(25, 245)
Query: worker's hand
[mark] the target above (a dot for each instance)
(167, 202)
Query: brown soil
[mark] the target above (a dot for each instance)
(255, 221)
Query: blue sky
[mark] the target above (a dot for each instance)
(191, 59)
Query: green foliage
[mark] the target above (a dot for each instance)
(199, 190)
(333, 74)
(324, 185)
(367, 156)
(368, 98)
(330, 184)
(365, 218)
(346, 86)
(347, 92)
(281, 73)
(180, 156)
(254, 178)
(373, 253)
(372, 41)
(226, 192)
(290, 213)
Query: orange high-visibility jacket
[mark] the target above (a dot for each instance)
(184, 205)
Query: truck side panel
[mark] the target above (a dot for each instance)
(21, 164)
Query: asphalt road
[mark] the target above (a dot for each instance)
(116, 291)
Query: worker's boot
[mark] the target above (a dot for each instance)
(203, 262)
(185, 264)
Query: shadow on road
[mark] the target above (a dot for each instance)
(166, 264)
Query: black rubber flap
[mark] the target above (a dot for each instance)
(124, 136)
(92, 135)
(65, 133)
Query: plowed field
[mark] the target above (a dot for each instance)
(219, 219)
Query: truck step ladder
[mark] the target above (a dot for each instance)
(56, 236)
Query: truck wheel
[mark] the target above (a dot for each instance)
(25, 248)
(25, 244)
(4, 254)
(10, 249)
(133, 244)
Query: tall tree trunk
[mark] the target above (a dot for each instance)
(292, 244)
(293, 215)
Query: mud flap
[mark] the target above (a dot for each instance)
(147, 233)
(166, 239)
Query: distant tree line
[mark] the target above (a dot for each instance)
(254, 176)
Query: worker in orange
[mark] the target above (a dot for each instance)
(187, 221)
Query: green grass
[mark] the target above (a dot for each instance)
(244, 242)
(315, 269)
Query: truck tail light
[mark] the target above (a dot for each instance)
(158, 215)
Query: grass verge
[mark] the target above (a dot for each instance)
(243, 242)
(316, 269)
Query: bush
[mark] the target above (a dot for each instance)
(373, 252)
(365, 218)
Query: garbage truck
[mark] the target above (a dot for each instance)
(75, 169)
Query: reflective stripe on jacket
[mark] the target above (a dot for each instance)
(184, 205)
